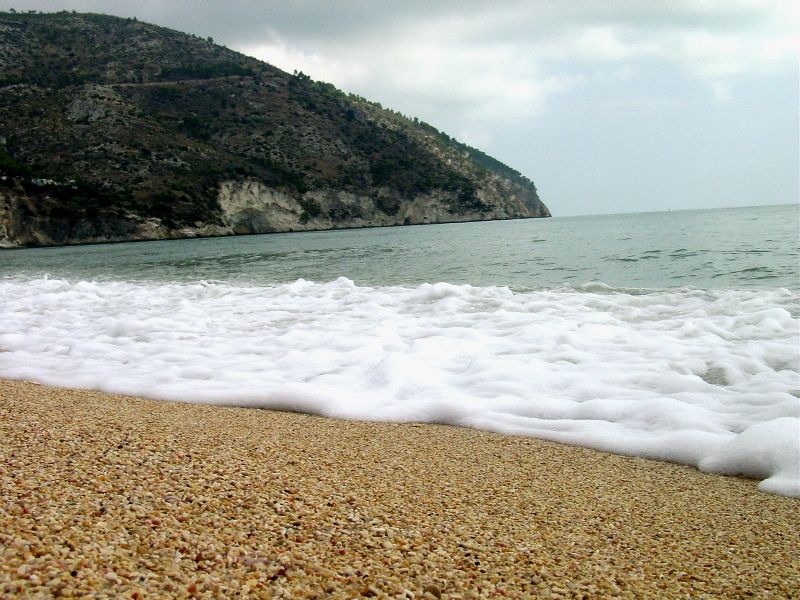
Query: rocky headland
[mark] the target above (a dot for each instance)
(116, 130)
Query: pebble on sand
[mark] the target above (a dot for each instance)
(124, 497)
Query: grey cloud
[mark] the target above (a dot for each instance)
(247, 21)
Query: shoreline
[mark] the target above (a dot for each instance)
(235, 235)
(125, 496)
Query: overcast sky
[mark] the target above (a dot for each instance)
(609, 107)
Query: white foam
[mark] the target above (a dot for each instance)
(707, 378)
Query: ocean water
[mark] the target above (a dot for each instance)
(672, 335)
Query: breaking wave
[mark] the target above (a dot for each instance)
(705, 378)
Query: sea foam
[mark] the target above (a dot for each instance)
(705, 378)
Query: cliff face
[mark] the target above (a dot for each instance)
(113, 130)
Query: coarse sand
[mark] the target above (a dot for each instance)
(121, 497)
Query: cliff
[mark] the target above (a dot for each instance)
(112, 130)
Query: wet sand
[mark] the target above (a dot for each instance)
(125, 497)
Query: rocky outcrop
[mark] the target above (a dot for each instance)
(9, 236)
(31, 217)
(250, 207)
(246, 207)
(94, 103)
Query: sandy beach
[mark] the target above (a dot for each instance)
(125, 497)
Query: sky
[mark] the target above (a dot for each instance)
(609, 107)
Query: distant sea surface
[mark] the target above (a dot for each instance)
(670, 335)
(712, 249)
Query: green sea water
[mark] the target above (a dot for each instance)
(716, 248)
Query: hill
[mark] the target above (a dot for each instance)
(112, 129)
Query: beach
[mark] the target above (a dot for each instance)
(125, 497)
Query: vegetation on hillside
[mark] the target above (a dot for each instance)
(152, 120)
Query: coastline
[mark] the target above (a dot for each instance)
(195, 236)
(126, 496)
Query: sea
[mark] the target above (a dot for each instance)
(670, 335)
